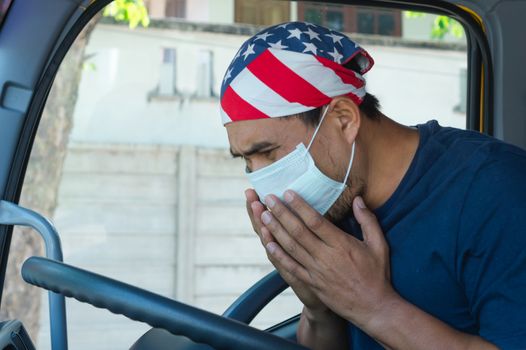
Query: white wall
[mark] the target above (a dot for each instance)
(128, 69)
(416, 85)
(222, 11)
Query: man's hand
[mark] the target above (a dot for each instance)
(352, 277)
(349, 276)
(305, 294)
(319, 328)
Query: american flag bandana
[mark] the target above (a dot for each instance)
(291, 68)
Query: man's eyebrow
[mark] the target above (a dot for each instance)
(255, 148)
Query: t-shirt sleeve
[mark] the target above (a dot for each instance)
(491, 251)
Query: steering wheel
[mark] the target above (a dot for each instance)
(140, 305)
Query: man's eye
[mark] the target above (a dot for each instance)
(269, 152)
(247, 169)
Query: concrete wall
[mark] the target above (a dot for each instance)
(168, 219)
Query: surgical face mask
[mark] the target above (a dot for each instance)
(298, 172)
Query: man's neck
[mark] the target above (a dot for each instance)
(388, 151)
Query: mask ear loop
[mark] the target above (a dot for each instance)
(352, 150)
(350, 165)
(317, 128)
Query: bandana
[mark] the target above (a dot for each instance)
(289, 69)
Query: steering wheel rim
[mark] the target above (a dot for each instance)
(253, 300)
(140, 305)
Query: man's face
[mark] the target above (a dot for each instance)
(263, 141)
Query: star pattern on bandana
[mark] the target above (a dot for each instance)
(284, 26)
(278, 45)
(295, 33)
(336, 55)
(310, 47)
(263, 36)
(249, 51)
(228, 75)
(301, 37)
(312, 34)
(335, 38)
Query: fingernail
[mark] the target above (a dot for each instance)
(246, 193)
(360, 203)
(288, 196)
(270, 201)
(271, 247)
(266, 217)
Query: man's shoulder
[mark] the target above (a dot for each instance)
(477, 167)
(462, 145)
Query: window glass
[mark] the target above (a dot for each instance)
(335, 20)
(262, 12)
(312, 15)
(386, 24)
(365, 23)
(132, 164)
(355, 19)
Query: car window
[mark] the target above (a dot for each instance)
(131, 160)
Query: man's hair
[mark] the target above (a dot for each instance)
(370, 105)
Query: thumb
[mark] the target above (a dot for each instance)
(372, 232)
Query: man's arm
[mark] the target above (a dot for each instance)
(352, 277)
(401, 325)
(323, 330)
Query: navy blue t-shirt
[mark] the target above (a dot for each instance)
(456, 229)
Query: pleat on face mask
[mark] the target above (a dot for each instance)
(297, 171)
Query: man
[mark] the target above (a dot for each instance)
(439, 259)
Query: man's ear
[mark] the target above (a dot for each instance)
(346, 115)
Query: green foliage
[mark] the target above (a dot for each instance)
(442, 25)
(132, 12)
(89, 66)
(413, 14)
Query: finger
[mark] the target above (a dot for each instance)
(289, 269)
(249, 201)
(285, 240)
(314, 221)
(251, 195)
(266, 236)
(257, 210)
(293, 225)
(252, 198)
(373, 235)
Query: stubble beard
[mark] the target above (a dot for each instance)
(342, 208)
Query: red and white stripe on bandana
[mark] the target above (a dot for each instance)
(291, 68)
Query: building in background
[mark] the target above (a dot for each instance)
(345, 18)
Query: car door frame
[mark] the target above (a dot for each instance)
(26, 45)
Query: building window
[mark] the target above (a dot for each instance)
(167, 72)
(353, 19)
(175, 8)
(166, 8)
(205, 74)
(262, 13)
